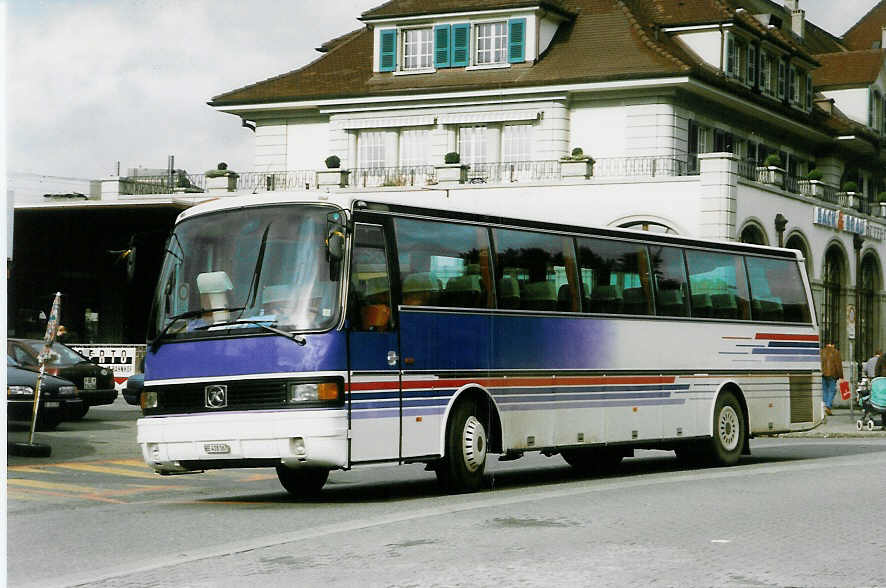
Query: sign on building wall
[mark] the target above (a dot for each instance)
(850, 321)
(121, 359)
(837, 219)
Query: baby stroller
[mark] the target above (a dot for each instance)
(872, 400)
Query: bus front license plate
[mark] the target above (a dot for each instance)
(216, 448)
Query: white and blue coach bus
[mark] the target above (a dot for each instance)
(318, 332)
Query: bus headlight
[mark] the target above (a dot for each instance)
(314, 392)
(148, 399)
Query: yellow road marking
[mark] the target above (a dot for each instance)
(49, 485)
(86, 467)
(259, 477)
(129, 462)
(96, 497)
(31, 469)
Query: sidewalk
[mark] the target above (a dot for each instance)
(841, 424)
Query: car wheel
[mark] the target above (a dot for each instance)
(302, 482)
(461, 470)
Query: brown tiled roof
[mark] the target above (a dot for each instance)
(868, 30)
(853, 68)
(397, 8)
(604, 42)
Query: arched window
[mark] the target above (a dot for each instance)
(752, 234)
(867, 321)
(830, 311)
(651, 226)
(797, 242)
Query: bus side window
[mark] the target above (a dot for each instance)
(537, 271)
(669, 277)
(718, 284)
(777, 291)
(370, 292)
(618, 276)
(443, 264)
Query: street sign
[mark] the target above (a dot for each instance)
(850, 321)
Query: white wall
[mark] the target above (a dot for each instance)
(599, 128)
(307, 143)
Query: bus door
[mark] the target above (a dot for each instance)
(374, 353)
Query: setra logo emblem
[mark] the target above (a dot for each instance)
(216, 396)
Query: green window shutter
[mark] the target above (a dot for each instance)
(387, 53)
(461, 45)
(441, 46)
(517, 40)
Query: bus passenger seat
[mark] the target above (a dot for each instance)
(540, 296)
(508, 293)
(464, 291)
(635, 301)
(670, 303)
(606, 298)
(564, 298)
(701, 305)
(420, 289)
(724, 305)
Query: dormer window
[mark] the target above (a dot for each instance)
(417, 49)
(491, 43)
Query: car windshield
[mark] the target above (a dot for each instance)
(58, 353)
(234, 268)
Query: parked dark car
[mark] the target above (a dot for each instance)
(95, 383)
(133, 389)
(58, 397)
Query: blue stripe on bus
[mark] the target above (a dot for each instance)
(433, 392)
(810, 345)
(792, 351)
(595, 404)
(557, 398)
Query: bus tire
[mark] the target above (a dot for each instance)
(302, 482)
(593, 461)
(729, 430)
(461, 469)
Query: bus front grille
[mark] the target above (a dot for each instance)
(241, 395)
(801, 398)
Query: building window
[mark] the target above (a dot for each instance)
(809, 92)
(830, 312)
(472, 144)
(752, 65)
(492, 42)
(371, 149)
(736, 55)
(867, 306)
(414, 147)
(753, 234)
(793, 86)
(516, 143)
(782, 79)
(766, 84)
(417, 49)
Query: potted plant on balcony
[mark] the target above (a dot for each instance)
(576, 166)
(333, 176)
(772, 171)
(848, 195)
(452, 171)
(221, 179)
(811, 184)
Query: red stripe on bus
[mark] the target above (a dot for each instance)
(515, 382)
(781, 337)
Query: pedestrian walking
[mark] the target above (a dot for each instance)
(880, 367)
(870, 366)
(831, 371)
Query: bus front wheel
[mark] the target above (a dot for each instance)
(729, 430)
(461, 470)
(302, 482)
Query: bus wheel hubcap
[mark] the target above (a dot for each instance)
(728, 427)
(474, 444)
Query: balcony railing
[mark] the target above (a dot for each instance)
(492, 173)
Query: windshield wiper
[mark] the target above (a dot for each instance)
(155, 342)
(252, 294)
(263, 324)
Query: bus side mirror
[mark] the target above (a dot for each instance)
(336, 229)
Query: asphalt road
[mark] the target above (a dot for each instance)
(800, 512)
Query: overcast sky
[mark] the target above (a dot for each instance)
(93, 82)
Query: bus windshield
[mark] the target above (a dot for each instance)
(245, 269)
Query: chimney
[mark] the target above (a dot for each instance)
(798, 19)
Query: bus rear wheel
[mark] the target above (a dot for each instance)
(593, 461)
(302, 482)
(729, 430)
(461, 470)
